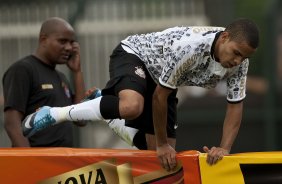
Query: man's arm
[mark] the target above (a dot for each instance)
(165, 152)
(79, 87)
(231, 127)
(75, 66)
(12, 123)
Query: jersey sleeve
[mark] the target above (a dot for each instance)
(16, 87)
(236, 83)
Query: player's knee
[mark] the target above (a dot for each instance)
(131, 109)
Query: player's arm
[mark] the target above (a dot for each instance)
(12, 124)
(165, 152)
(231, 127)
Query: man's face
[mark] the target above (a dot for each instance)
(58, 46)
(232, 53)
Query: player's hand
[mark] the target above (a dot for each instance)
(215, 154)
(74, 61)
(167, 156)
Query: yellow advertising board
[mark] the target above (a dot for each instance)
(243, 168)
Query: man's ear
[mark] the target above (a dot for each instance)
(42, 38)
(224, 36)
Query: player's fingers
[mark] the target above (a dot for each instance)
(212, 156)
(171, 161)
(206, 149)
(164, 163)
(209, 159)
(213, 149)
(220, 157)
(174, 162)
(212, 159)
(213, 152)
(216, 159)
(222, 154)
(216, 156)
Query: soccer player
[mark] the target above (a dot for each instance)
(139, 101)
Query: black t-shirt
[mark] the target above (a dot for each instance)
(30, 84)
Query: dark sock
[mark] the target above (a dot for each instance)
(139, 140)
(109, 107)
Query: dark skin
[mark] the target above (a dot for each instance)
(12, 122)
(57, 45)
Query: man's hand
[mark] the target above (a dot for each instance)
(74, 61)
(166, 155)
(90, 91)
(215, 154)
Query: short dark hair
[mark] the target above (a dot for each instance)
(244, 30)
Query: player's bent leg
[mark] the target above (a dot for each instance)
(131, 104)
(124, 132)
(139, 140)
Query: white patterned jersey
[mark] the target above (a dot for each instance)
(181, 56)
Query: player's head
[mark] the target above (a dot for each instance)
(55, 41)
(237, 42)
(244, 30)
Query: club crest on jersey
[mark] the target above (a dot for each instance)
(66, 89)
(140, 72)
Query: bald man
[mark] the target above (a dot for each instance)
(33, 82)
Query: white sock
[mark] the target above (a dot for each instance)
(124, 132)
(88, 111)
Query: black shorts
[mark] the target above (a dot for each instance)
(127, 71)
